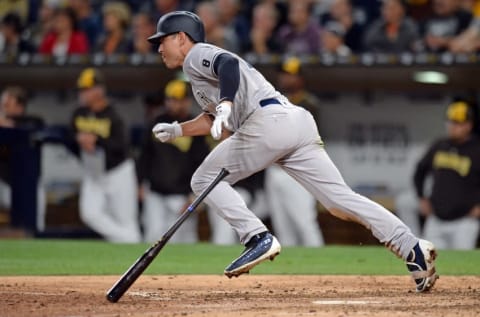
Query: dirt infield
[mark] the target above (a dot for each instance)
(254, 295)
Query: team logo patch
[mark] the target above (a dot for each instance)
(206, 63)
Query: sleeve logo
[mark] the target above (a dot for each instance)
(206, 63)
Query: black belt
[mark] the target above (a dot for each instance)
(269, 101)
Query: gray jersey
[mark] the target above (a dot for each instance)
(253, 87)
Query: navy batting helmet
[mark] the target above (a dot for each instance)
(179, 21)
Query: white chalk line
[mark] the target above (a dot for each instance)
(346, 302)
(33, 293)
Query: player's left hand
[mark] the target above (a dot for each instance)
(223, 109)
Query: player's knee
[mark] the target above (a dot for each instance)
(198, 183)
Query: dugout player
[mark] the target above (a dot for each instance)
(108, 200)
(164, 170)
(452, 209)
(267, 128)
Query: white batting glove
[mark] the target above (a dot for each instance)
(167, 131)
(223, 113)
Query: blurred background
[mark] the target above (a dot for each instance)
(379, 74)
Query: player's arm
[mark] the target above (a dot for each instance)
(198, 126)
(195, 127)
(226, 68)
(422, 170)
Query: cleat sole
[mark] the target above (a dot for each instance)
(246, 268)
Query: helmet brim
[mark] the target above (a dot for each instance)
(156, 38)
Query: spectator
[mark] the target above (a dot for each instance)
(231, 17)
(333, 39)
(262, 34)
(108, 201)
(142, 27)
(164, 171)
(294, 219)
(394, 32)
(89, 21)
(452, 210)
(13, 103)
(116, 20)
(64, 38)
(447, 22)
(341, 11)
(214, 31)
(302, 34)
(469, 40)
(11, 41)
(44, 22)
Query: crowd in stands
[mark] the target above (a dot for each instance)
(61, 27)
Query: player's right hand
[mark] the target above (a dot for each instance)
(223, 113)
(167, 131)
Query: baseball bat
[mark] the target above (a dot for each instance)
(137, 268)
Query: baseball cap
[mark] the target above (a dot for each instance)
(291, 65)
(459, 112)
(89, 78)
(176, 89)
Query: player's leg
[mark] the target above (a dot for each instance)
(294, 216)
(92, 208)
(153, 216)
(221, 232)
(260, 245)
(406, 207)
(5, 195)
(276, 196)
(436, 231)
(121, 186)
(312, 167)
(188, 231)
(465, 237)
(262, 140)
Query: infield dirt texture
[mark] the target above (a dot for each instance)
(250, 295)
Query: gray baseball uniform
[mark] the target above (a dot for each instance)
(268, 129)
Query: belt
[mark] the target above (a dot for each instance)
(269, 101)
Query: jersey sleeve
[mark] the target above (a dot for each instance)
(200, 61)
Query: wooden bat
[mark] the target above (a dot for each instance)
(137, 268)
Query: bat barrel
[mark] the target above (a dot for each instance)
(132, 274)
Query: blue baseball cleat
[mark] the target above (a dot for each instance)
(261, 247)
(421, 264)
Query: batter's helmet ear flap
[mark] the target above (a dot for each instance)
(179, 21)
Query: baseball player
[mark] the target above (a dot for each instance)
(452, 209)
(165, 186)
(266, 129)
(108, 202)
